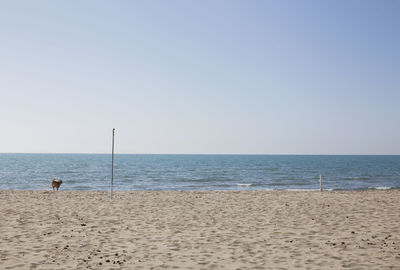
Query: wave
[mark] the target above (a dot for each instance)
(303, 189)
(357, 178)
(380, 188)
(365, 188)
(204, 180)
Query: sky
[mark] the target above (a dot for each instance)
(200, 77)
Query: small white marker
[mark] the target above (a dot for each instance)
(320, 182)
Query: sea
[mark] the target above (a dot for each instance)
(199, 172)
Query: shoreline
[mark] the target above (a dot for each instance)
(246, 229)
(243, 189)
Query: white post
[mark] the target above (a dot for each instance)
(112, 165)
(320, 182)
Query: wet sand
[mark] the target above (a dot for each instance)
(200, 230)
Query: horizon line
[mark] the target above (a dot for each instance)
(200, 154)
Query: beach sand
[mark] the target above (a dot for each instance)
(200, 230)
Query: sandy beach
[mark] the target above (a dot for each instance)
(200, 230)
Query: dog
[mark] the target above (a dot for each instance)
(56, 183)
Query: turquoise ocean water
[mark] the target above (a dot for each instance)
(198, 172)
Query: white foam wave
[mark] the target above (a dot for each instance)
(300, 189)
(304, 189)
(384, 188)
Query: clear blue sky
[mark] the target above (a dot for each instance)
(255, 77)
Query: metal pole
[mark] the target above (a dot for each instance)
(112, 164)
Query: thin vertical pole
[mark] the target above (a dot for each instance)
(320, 182)
(112, 164)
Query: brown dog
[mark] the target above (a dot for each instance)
(56, 183)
